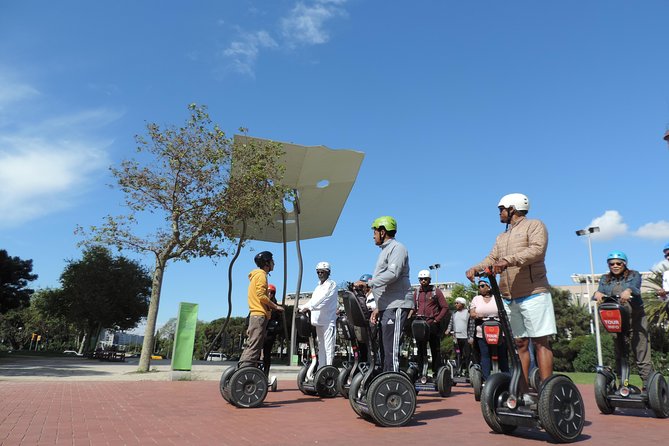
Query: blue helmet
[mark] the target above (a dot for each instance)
(617, 255)
(484, 280)
(666, 246)
(365, 278)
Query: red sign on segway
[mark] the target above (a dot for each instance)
(491, 333)
(612, 320)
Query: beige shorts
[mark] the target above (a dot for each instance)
(532, 316)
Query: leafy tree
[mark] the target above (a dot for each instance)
(101, 291)
(586, 353)
(14, 277)
(657, 311)
(571, 319)
(17, 326)
(202, 187)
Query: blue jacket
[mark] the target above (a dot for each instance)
(613, 286)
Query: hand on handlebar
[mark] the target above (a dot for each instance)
(499, 266)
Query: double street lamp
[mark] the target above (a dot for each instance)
(588, 232)
(435, 267)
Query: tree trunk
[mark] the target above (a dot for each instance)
(149, 332)
(83, 342)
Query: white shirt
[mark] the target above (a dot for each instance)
(370, 301)
(323, 303)
(665, 281)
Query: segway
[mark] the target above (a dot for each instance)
(350, 367)
(311, 379)
(557, 406)
(244, 386)
(611, 392)
(458, 374)
(443, 381)
(386, 398)
(492, 335)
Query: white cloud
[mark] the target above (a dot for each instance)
(12, 92)
(305, 25)
(40, 176)
(45, 164)
(610, 224)
(657, 231)
(244, 51)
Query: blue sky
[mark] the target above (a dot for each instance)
(453, 103)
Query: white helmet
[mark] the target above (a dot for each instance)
(323, 265)
(518, 201)
(423, 274)
(461, 300)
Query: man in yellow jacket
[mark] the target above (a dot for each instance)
(260, 307)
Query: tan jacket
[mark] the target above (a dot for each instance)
(523, 245)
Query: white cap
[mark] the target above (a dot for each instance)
(518, 201)
(461, 300)
(323, 265)
(423, 273)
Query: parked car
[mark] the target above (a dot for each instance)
(216, 356)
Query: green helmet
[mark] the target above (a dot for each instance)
(386, 221)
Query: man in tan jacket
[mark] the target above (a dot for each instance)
(518, 257)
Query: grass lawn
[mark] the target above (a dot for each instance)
(589, 378)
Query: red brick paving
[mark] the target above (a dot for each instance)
(193, 413)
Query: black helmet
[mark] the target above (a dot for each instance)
(263, 258)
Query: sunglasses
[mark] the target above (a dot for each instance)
(616, 263)
(424, 278)
(666, 256)
(483, 286)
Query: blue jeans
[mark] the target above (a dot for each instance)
(486, 362)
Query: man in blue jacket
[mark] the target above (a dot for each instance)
(392, 290)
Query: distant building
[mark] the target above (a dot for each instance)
(120, 339)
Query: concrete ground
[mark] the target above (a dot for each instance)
(75, 401)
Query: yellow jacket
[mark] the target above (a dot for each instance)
(257, 295)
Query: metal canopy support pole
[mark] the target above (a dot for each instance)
(285, 282)
(293, 330)
(596, 315)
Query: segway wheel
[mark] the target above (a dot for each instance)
(247, 387)
(476, 377)
(561, 410)
(494, 395)
(658, 396)
(225, 378)
(444, 381)
(344, 381)
(603, 389)
(535, 379)
(326, 381)
(391, 399)
(355, 394)
(301, 379)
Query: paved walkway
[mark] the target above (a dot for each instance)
(72, 411)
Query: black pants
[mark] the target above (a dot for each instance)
(434, 340)
(392, 327)
(267, 353)
(463, 359)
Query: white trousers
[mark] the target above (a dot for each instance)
(326, 335)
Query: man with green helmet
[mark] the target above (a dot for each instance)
(392, 290)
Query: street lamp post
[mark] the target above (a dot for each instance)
(435, 267)
(588, 232)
